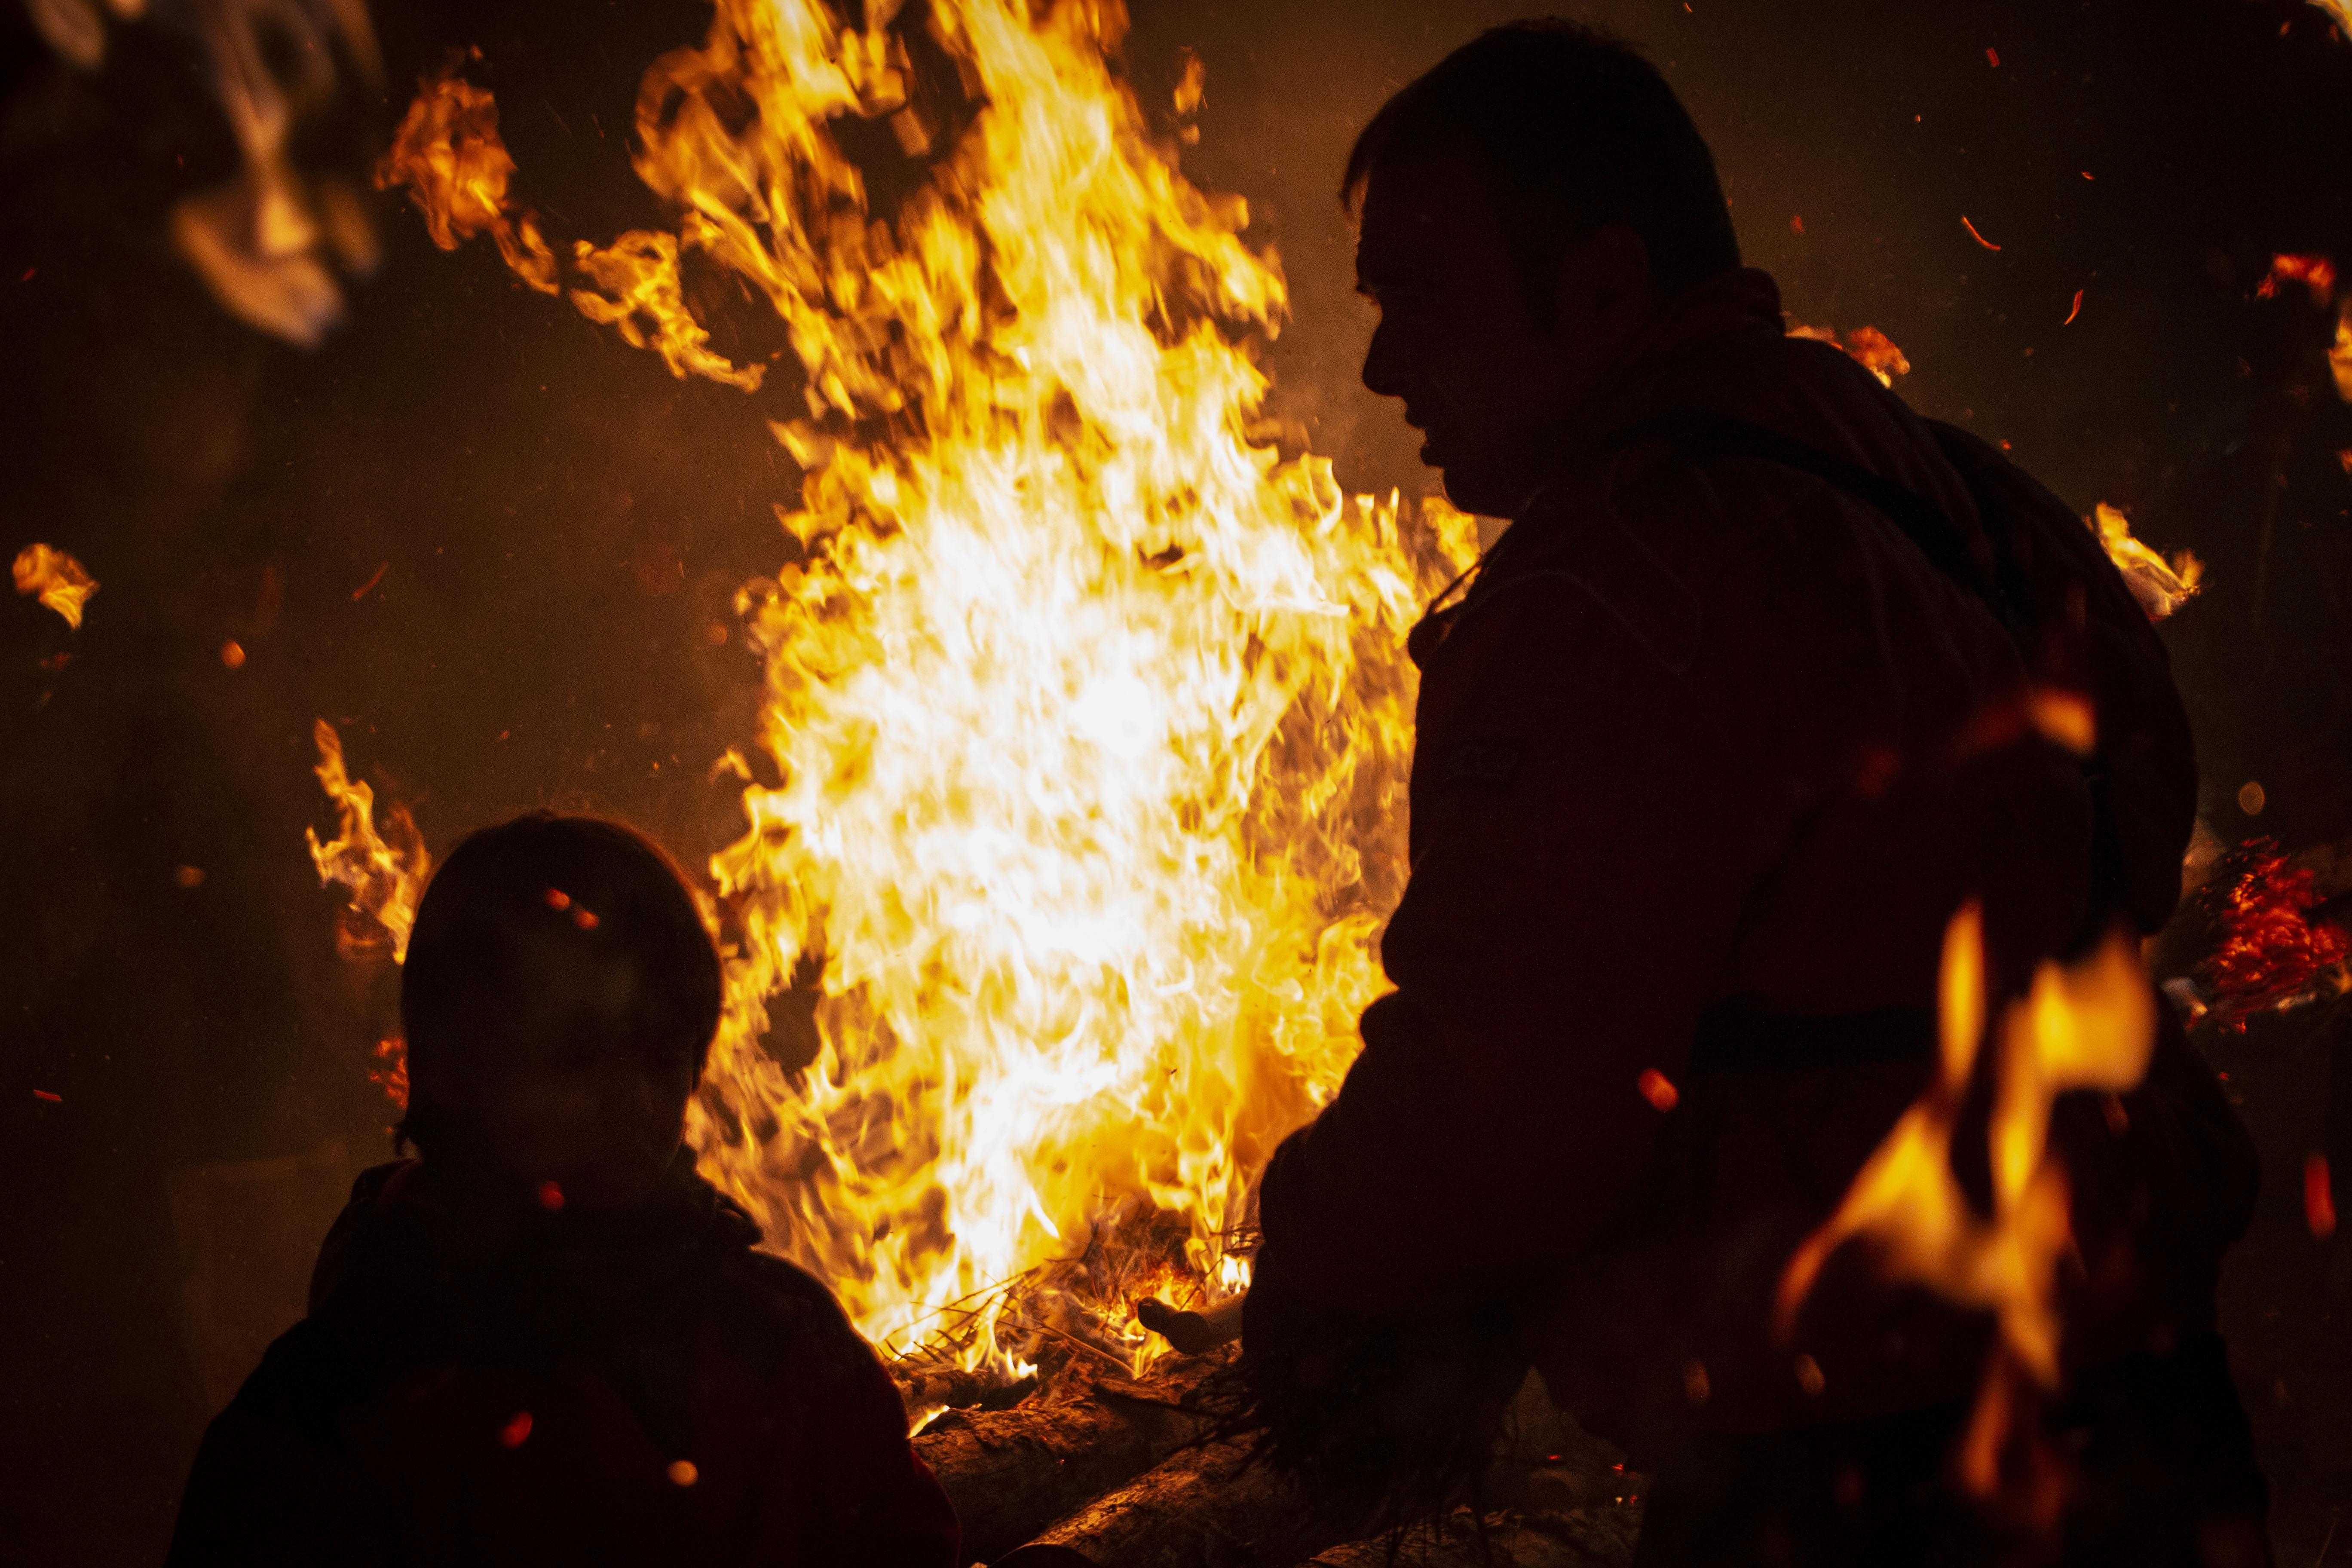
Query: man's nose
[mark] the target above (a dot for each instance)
(1383, 362)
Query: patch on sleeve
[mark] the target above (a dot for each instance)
(1492, 763)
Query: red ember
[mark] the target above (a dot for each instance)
(2317, 273)
(2319, 1197)
(2270, 952)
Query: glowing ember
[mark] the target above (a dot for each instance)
(2319, 1197)
(2270, 954)
(2089, 1027)
(1867, 346)
(391, 1072)
(2161, 586)
(385, 873)
(2063, 717)
(2315, 273)
(58, 578)
(2339, 354)
(1091, 715)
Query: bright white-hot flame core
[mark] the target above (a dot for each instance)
(1089, 712)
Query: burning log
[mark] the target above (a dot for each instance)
(1585, 1537)
(1009, 1473)
(1207, 1505)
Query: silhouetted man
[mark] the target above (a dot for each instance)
(1723, 731)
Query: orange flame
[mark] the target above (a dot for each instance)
(1867, 346)
(640, 294)
(2315, 273)
(2339, 353)
(448, 154)
(2089, 1027)
(58, 578)
(391, 1072)
(1091, 713)
(385, 873)
(2161, 586)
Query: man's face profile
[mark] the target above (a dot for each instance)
(1482, 373)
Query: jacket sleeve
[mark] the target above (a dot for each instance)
(269, 1490)
(894, 1514)
(1586, 827)
(854, 1491)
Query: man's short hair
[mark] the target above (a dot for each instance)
(1579, 131)
(551, 918)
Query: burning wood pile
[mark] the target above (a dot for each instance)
(1108, 1471)
(1075, 805)
(1074, 808)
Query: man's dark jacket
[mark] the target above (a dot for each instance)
(1707, 738)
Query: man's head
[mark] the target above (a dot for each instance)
(1526, 207)
(560, 996)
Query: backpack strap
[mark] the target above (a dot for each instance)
(1703, 433)
(1736, 1038)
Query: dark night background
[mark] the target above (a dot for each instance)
(560, 527)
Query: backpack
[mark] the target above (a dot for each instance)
(2176, 1184)
(2047, 579)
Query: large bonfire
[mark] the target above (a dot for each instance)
(1090, 706)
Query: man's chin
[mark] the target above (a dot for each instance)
(1473, 491)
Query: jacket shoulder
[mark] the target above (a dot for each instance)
(774, 1311)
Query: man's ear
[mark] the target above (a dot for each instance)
(1605, 278)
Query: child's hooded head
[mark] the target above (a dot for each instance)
(560, 996)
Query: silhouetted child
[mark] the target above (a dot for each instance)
(547, 1340)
